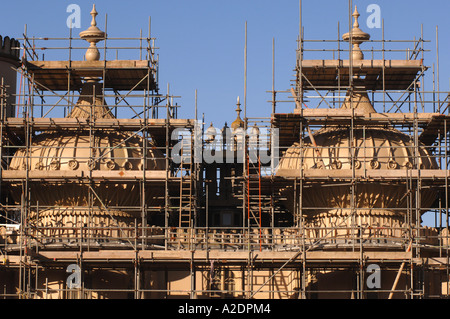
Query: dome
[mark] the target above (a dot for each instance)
(370, 203)
(70, 203)
(104, 204)
(72, 151)
(375, 148)
(108, 207)
(77, 150)
(377, 205)
(210, 133)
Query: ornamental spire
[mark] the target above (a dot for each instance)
(356, 36)
(238, 122)
(93, 35)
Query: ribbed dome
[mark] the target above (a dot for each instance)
(72, 203)
(77, 151)
(370, 203)
(69, 205)
(329, 205)
(375, 148)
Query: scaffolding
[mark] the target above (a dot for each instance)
(224, 229)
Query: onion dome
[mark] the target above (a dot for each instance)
(373, 203)
(71, 203)
(253, 141)
(374, 148)
(363, 148)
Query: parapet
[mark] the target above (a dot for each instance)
(9, 48)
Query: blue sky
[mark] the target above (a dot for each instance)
(201, 42)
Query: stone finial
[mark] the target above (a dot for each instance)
(94, 14)
(356, 36)
(356, 15)
(93, 35)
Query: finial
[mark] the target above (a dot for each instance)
(92, 35)
(356, 16)
(356, 36)
(238, 109)
(238, 122)
(94, 13)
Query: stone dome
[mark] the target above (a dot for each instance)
(328, 204)
(374, 148)
(74, 150)
(377, 206)
(72, 203)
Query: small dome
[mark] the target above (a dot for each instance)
(225, 131)
(210, 133)
(255, 130)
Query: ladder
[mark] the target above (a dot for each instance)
(186, 191)
(253, 195)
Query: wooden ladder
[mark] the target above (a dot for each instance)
(253, 194)
(186, 190)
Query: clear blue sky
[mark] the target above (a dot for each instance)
(202, 41)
